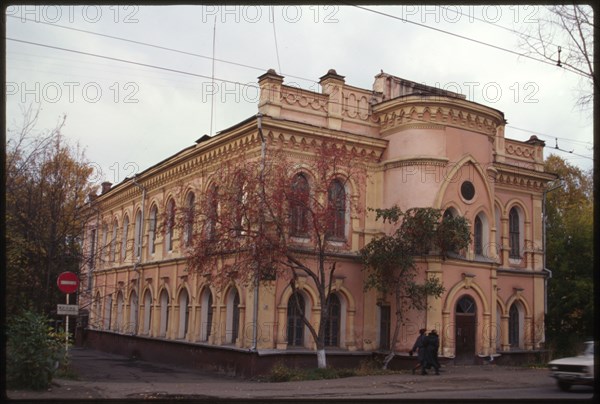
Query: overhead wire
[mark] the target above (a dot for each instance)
(262, 69)
(550, 136)
(275, 36)
(525, 55)
(493, 24)
(192, 74)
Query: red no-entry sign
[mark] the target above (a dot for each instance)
(67, 282)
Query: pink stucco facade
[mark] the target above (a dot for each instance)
(422, 147)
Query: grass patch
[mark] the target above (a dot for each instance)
(283, 373)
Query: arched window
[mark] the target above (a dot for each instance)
(449, 213)
(105, 242)
(385, 325)
(466, 305)
(513, 326)
(164, 314)
(92, 258)
(337, 211)
(188, 230)
(96, 315)
(514, 233)
(498, 234)
(212, 212)
(133, 312)
(478, 236)
(206, 314)
(299, 198)
(108, 312)
(113, 242)
(170, 224)
(152, 230)
(233, 316)
(240, 201)
(137, 236)
(332, 327)
(184, 314)
(120, 308)
(295, 324)
(124, 238)
(236, 318)
(147, 312)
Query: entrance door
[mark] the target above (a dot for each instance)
(465, 330)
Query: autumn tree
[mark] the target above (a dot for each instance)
(570, 256)
(564, 35)
(279, 217)
(391, 260)
(46, 183)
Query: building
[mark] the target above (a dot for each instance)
(424, 147)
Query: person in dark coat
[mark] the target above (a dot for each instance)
(432, 344)
(419, 348)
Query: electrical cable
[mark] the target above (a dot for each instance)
(163, 48)
(190, 74)
(470, 39)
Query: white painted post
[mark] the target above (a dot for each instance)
(67, 329)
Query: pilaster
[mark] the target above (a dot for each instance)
(332, 84)
(270, 93)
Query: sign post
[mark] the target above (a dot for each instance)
(67, 282)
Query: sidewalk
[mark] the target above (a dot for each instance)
(106, 376)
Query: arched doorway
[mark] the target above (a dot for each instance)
(465, 330)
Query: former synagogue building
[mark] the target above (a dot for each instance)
(422, 146)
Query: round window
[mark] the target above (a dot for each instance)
(467, 190)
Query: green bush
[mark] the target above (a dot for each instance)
(34, 351)
(282, 373)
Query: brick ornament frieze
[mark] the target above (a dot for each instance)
(356, 106)
(523, 151)
(304, 99)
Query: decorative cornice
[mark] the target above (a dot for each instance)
(244, 139)
(521, 177)
(414, 161)
(417, 125)
(521, 272)
(440, 110)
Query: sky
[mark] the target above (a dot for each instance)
(138, 83)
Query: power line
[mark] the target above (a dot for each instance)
(212, 98)
(211, 78)
(275, 36)
(129, 62)
(493, 24)
(550, 136)
(470, 39)
(163, 48)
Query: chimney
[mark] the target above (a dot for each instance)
(106, 187)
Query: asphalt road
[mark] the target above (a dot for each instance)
(105, 376)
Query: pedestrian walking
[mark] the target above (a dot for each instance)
(432, 344)
(419, 348)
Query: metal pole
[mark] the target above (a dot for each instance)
(67, 329)
(256, 275)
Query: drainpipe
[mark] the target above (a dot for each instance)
(256, 280)
(138, 258)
